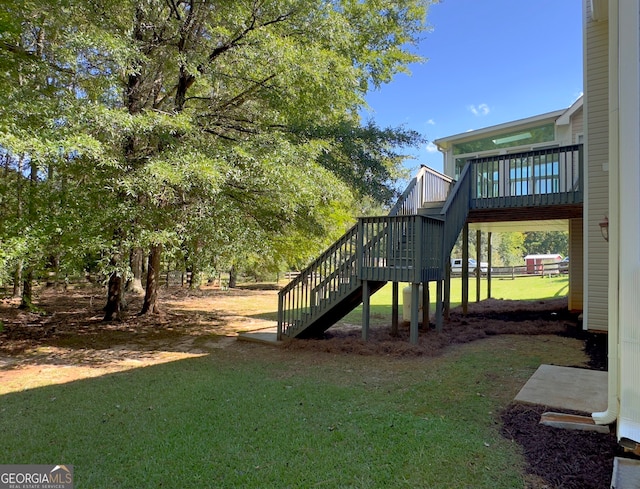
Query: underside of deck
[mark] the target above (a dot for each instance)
(531, 213)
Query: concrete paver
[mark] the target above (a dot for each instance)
(569, 388)
(626, 474)
(265, 336)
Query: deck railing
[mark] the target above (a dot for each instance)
(427, 186)
(549, 176)
(400, 248)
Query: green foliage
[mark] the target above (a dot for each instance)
(547, 242)
(511, 248)
(221, 130)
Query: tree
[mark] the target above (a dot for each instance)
(217, 127)
(45, 147)
(511, 248)
(544, 242)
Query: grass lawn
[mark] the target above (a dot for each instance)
(253, 416)
(259, 417)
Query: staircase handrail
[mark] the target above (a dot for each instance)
(327, 275)
(304, 274)
(456, 209)
(428, 185)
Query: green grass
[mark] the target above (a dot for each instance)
(251, 416)
(260, 417)
(521, 288)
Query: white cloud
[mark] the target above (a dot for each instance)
(482, 109)
(432, 148)
(431, 122)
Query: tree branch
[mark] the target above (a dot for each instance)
(253, 25)
(12, 48)
(240, 98)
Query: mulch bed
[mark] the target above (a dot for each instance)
(563, 459)
(483, 319)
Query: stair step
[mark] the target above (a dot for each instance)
(430, 211)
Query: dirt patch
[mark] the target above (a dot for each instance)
(67, 340)
(73, 318)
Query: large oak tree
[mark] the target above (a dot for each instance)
(215, 127)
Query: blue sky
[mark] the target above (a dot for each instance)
(488, 62)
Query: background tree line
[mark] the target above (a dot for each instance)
(509, 249)
(204, 132)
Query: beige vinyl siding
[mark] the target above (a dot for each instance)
(596, 122)
(576, 265)
(577, 126)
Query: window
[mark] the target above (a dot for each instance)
(534, 174)
(540, 134)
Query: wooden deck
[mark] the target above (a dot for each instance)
(412, 244)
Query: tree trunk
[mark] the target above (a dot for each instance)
(150, 305)
(27, 291)
(196, 269)
(233, 277)
(196, 279)
(53, 269)
(114, 298)
(136, 260)
(17, 280)
(27, 283)
(17, 276)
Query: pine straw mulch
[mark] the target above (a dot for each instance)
(483, 319)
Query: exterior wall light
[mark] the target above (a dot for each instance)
(604, 228)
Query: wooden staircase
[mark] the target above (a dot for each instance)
(413, 243)
(402, 247)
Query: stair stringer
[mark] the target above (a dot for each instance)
(339, 309)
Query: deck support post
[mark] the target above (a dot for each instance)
(447, 289)
(439, 314)
(465, 269)
(489, 265)
(426, 300)
(394, 309)
(415, 307)
(366, 300)
(478, 271)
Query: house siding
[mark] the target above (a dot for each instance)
(576, 267)
(596, 125)
(577, 126)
